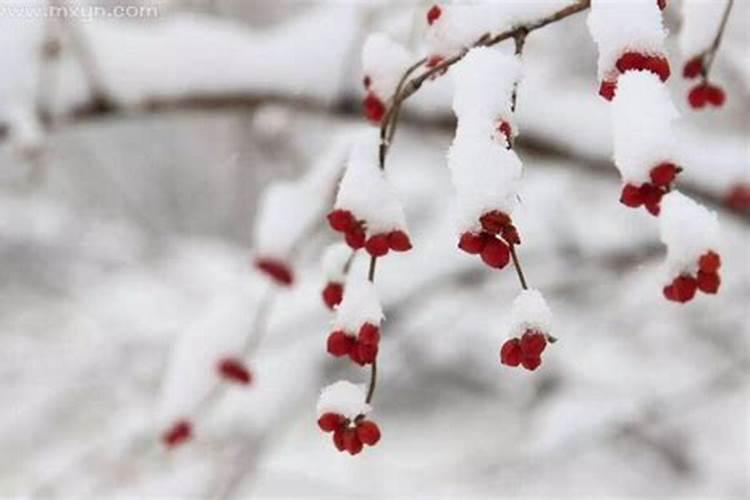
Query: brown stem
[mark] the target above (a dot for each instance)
(517, 266)
(373, 380)
(710, 55)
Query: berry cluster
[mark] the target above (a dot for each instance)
(683, 287)
(333, 294)
(356, 237)
(350, 435)
(649, 194)
(634, 61)
(234, 370)
(179, 433)
(703, 93)
(277, 270)
(362, 349)
(492, 244)
(372, 106)
(526, 351)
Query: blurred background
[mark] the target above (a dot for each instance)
(133, 151)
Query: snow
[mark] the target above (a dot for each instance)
(619, 26)
(485, 174)
(343, 398)
(700, 23)
(484, 82)
(360, 305)
(365, 191)
(335, 259)
(642, 116)
(384, 61)
(688, 230)
(530, 312)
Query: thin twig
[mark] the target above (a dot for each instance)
(710, 55)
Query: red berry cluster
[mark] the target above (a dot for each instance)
(372, 106)
(649, 194)
(635, 61)
(333, 294)
(179, 433)
(355, 235)
(362, 349)
(526, 351)
(347, 435)
(277, 270)
(703, 93)
(492, 244)
(683, 287)
(234, 370)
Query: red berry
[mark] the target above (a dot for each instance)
(369, 334)
(631, 61)
(366, 354)
(607, 89)
(332, 294)
(708, 282)
(710, 262)
(472, 243)
(339, 343)
(494, 222)
(651, 198)
(433, 14)
(329, 422)
(341, 220)
(658, 65)
(278, 271)
(510, 235)
(399, 241)
(355, 237)
(507, 131)
(738, 198)
(510, 353)
(698, 97)
(338, 438)
(682, 289)
(234, 370)
(496, 254)
(662, 4)
(631, 196)
(374, 108)
(533, 343)
(664, 174)
(693, 68)
(354, 354)
(366, 81)
(433, 61)
(715, 95)
(368, 432)
(351, 442)
(178, 434)
(377, 245)
(531, 362)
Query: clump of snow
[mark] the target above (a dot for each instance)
(700, 23)
(365, 191)
(642, 116)
(384, 62)
(484, 83)
(688, 230)
(619, 26)
(360, 305)
(335, 259)
(485, 174)
(343, 398)
(530, 312)
(288, 210)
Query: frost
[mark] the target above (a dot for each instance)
(618, 26)
(343, 398)
(700, 22)
(384, 62)
(335, 259)
(530, 312)
(688, 230)
(364, 190)
(360, 305)
(642, 116)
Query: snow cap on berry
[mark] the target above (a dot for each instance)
(365, 191)
(384, 62)
(619, 26)
(642, 116)
(484, 83)
(360, 305)
(689, 230)
(343, 398)
(530, 312)
(335, 258)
